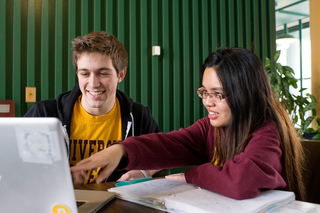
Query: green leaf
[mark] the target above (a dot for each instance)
(313, 99)
(299, 100)
(309, 130)
(288, 74)
(276, 90)
(285, 89)
(316, 137)
(278, 81)
(293, 83)
(308, 122)
(289, 69)
(267, 64)
(276, 55)
(310, 106)
(318, 121)
(279, 68)
(303, 89)
(270, 76)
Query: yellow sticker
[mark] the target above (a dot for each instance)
(60, 209)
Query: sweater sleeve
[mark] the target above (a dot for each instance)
(257, 168)
(164, 151)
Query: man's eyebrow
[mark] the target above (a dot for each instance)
(105, 68)
(100, 69)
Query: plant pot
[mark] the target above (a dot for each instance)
(308, 135)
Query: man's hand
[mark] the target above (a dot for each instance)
(108, 159)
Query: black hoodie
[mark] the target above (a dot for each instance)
(136, 119)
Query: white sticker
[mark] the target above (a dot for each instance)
(38, 145)
(4, 108)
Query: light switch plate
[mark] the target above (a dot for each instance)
(156, 50)
(30, 94)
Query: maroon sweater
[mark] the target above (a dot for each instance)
(257, 168)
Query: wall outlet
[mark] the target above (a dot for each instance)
(156, 50)
(30, 94)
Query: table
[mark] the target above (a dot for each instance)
(116, 205)
(312, 171)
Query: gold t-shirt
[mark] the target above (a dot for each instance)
(91, 134)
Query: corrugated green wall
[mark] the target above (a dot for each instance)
(35, 39)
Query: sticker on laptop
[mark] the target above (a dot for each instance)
(60, 209)
(38, 145)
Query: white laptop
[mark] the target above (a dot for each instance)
(34, 170)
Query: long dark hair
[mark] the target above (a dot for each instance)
(252, 102)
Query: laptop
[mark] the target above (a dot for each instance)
(34, 170)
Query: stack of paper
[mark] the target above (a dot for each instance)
(177, 196)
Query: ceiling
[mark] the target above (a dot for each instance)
(291, 10)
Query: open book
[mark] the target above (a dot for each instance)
(177, 196)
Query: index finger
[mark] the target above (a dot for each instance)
(85, 164)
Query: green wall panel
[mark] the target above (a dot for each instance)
(3, 50)
(43, 94)
(72, 15)
(16, 57)
(35, 46)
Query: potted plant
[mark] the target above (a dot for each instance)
(301, 106)
(313, 133)
(281, 78)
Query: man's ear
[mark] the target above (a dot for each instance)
(122, 74)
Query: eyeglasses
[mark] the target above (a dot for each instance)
(215, 97)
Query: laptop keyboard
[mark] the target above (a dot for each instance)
(80, 203)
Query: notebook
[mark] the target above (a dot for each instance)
(178, 196)
(34, 170)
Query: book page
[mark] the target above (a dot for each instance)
(297, 207)
(154, 188)
(207, 201)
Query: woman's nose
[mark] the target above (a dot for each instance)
(208, 102)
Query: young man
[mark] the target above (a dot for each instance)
(94, 113)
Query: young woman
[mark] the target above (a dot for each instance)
(246, 144)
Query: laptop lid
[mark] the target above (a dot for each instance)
(34, 169)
